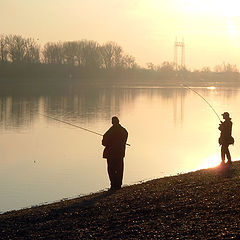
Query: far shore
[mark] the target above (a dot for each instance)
(36, 86)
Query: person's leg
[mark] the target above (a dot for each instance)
(111, 171)
(119, 173)
(223, 151)
(115, 171)
(228, 155)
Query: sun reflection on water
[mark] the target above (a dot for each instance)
(210, 162)
(211, 88)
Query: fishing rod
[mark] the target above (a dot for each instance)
(74, 125)
(203, 99)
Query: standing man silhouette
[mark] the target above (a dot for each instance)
(114, 141)
(226, 137)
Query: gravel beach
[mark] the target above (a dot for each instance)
(198, 205)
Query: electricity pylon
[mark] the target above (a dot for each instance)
(179, 45)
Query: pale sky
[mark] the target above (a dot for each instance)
(146, 29)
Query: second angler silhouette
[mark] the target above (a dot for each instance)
(226, 137)
(114, 141)
(225, 127)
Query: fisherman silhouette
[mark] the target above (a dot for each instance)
(226, 137)
(114, 141)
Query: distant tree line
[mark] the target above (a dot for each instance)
(87, 54)
(24, 57)
(223, 72)
(84, 53)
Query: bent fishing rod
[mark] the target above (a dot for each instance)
(203, 99)
(74, 125)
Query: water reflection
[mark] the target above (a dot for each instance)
(17, 112)
(80, 104)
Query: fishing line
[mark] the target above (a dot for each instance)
(203, 99)
(74, 125)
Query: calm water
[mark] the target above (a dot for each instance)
(171, 131)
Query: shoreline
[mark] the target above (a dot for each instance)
(204, 204)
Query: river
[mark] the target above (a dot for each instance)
(171, 131)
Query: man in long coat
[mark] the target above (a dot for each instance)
(114, 141)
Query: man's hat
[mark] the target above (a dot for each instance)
(225, 114)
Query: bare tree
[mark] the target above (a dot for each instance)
(53, 53)
(71, 52)
(79, 53)
(3, 49)
(90, 56)
(32, 51)
(21, 50)
(118, 55)
(167, 67)
(107, 53)
(113, 56)
(206, 69)
(151, 66)
(16, 48)
(226, 67)
(129, 62)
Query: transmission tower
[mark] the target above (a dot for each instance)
(179, 45)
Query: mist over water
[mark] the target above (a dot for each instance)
(171, 130)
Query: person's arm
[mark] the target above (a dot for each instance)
(126, 136)
(221, 126)
(105, 139)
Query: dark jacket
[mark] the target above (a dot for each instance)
(114, 141)
(226, 132)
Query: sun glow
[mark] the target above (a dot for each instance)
(223, 16)
(224, 8)
(210, 162)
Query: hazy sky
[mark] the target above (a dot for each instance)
(145, 29)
